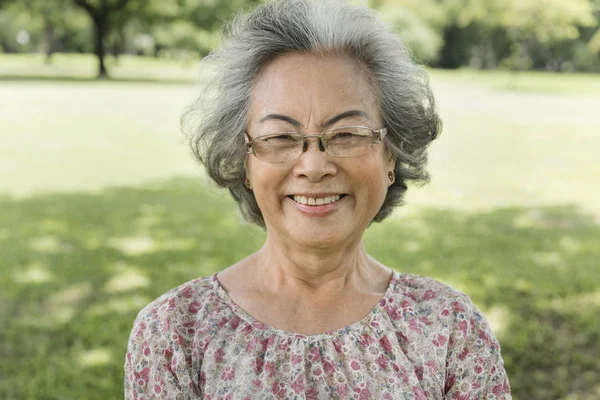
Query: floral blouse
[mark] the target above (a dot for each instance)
(423, 340)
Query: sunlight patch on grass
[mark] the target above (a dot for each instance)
(95, 357)
(119, 305)
(548, 259)
(570, 245)
(134, 245)
(55, 226)
(34, 274)
(412, 246)
(582, 302)
(126, 279)
(49, 244)
(4, 234)
(62, 305)
(499, 318)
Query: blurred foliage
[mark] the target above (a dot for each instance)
(556, 35)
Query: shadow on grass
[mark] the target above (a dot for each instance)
(77, 268)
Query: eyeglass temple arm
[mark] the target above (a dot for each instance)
(380, 134)
(248, 143)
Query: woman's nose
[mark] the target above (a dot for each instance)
(314, 163)
(316, 138)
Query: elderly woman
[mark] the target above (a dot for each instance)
(316, 121)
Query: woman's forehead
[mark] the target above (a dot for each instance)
(306, 87)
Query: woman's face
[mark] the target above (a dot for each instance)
(305, 93)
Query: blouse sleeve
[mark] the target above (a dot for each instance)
(156, 366)
(474, 365)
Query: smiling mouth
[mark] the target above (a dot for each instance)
(312, 201)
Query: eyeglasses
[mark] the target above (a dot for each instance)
(348, 141)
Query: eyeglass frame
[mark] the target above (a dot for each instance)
(378, 136)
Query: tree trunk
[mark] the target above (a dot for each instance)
(101, 29)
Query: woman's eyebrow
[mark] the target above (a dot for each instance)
(345, 114)
(280, 117)
(329, 122)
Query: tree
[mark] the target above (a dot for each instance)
(101, 12)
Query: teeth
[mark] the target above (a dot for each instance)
(316, 202)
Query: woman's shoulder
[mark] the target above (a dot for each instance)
(421, 292)
(191, 300)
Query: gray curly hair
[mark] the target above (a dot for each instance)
(215, 123)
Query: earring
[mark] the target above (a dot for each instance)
(391, 176)
(247, 182)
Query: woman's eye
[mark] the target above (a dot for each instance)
(343, 136)
(281, 140)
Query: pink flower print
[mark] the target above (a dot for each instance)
(440, 340)
(429, 294)
(141, 329)
(478, 369)
(328, 367)
(393, 313)
(312, 394)
(202, 379)
(406, 305)
(314, 354)
(355, 365)
(458, 307)
(258, 364)
(296, 358)
(157, 389)
(171, 304)
(228, 374)
(432, 366)
(194, 307)
(419, 394)
(414, 325)
(219, 355)
(401, 337)
(463, 354)
(257, 383)
(363, 391)
(317, 372)
(425, 320)
(450, 380)
(278, 389)
(462, 327)
(342, 390)
(382, 361)
(252, 344)
(366, 339)
(270, 368)
(385, 343)
(419, 372)
(498, 390)
(445, 312)
(146, 349)
(337, 345)
(235, 322)
(298, 384)
(246, 329)
(187, 291)
(222, 322)
(284, 344)
(142, 376)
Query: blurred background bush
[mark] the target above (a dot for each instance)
(102, 209)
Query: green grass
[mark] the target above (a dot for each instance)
(102, 210)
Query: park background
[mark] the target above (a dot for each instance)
(102, 208)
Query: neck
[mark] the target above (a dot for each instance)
(291, 269)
